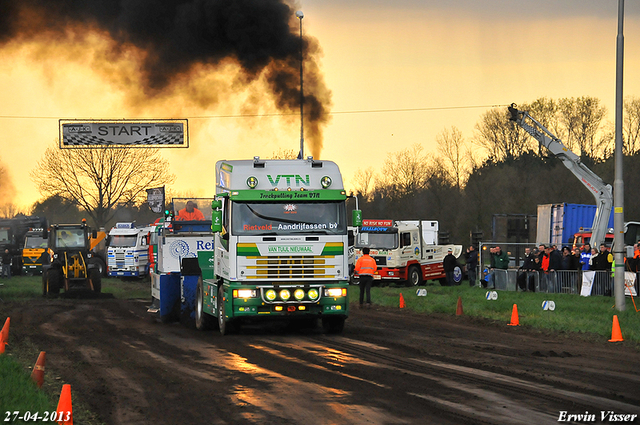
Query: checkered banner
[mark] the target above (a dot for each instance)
(124, 133)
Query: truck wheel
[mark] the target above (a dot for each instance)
(226, 326)
(333, 325)
(204, 321)
(51, 282)
(415, 276)
(96, 280)
(101, 266)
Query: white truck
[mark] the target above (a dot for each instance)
(406, 250)
(276, 249)
(128, 250)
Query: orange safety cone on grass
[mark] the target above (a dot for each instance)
(402, 305)
(64, 413)
(459, 311)
(514, 316)
(616, 334)
(37, 375)
(4, 335)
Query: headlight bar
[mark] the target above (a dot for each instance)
(272, 294)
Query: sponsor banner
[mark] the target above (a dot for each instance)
(587, 282)
(124, 133)
(377, 223)
(155, 199)
(630, 284)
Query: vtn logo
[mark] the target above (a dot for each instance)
(299, 180)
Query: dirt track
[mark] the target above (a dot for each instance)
(388, 367)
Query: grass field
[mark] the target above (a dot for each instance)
(590, 317)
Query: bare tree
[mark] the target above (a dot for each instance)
(451, 145)
(582, 118)
(10, 210)
(546, 112)
(631, 126)
(499, 137)
(98, 179)
(363, 180)
(405, 172)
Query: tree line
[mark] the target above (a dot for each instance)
(515, 174)
(499, 170)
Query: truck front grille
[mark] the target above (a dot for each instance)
(381, 261)
(295, 267)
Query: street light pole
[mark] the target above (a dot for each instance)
(618, 184)
(300, 15)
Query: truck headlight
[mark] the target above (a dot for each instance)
(335, 292)
(244, 293)
(270, 295)
(298, 294)
(313, 294)
(285, 294)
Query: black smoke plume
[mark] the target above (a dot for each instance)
(259, 35)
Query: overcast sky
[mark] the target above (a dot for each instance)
(400, 72)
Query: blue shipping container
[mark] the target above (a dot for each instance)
(557, 223)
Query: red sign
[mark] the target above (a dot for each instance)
(378, 223)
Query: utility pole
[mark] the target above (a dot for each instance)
(300, 15)
(618, 184)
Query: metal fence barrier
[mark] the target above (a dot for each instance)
(554, 282)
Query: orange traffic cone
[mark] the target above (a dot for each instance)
(514, 316)
(64, 414)
(616, 334)
(402, 304)
(37, 375)
(459, 311)
(4, 335)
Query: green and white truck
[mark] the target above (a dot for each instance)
(279, 247)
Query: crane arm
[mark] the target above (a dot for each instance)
(601, 191)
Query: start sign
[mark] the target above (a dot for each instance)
(124, 133)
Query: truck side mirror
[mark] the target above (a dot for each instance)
(216, 220)
(356, 218)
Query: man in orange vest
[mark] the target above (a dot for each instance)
(190, 213)
(366, 268)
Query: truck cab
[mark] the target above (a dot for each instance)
(128, 251)
(35, 252)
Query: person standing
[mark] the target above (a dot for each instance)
(6, 264)
(366, 267)
(449, 263)
(603, 260)
(472, 264)
(527, 267)
(585, 257)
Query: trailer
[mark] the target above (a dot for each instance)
(560, 224)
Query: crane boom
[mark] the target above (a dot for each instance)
(601, 191)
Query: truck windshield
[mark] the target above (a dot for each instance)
(34, 242)
(275, 218)
(123, 240)
(70, 238)
(377, 240)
